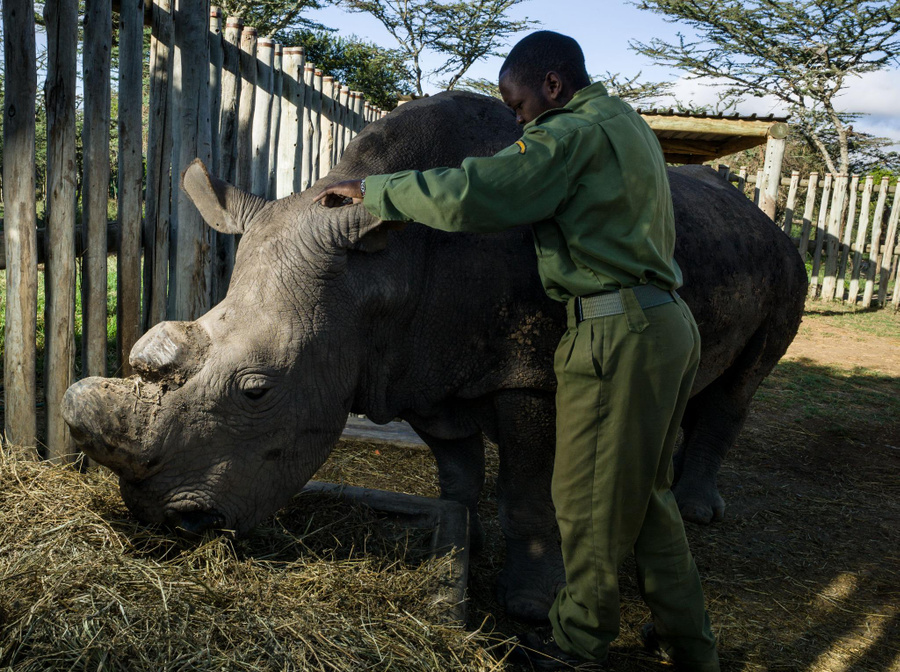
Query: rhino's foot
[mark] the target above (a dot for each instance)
(699, 503)
(528, 585)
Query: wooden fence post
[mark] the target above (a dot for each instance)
(306, 134)
(758, 189)
(821, 228)
(887, 259)
(808, 215)
(791, 202)
(59, 270)
(742, 178)
(131, 174)
(275, 119)
(873, 266)
(832, 237)
(215, 85)
(359, 122)
(848, 238)
(95, 183)
(860, 246)
(262, 107)
(159, 166)
(223, 261)
(192, 269)
(244, 179)
(20, 223)
(775, 146)
(345, 121)
(289, 123)
(326, 126)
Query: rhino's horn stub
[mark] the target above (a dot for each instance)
(225, 208)
(168, 348)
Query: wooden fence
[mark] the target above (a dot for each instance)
(260, 116)
(847, 233)
(263, 118)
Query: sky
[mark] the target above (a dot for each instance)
(604, 29)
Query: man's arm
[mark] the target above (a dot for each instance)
(524, 183)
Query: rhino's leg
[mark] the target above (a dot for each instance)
(460, 464)
(533, 573)
(712, 421)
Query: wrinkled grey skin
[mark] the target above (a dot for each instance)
(329, 313)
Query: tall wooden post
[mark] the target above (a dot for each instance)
(859, 246)
(316, 117)
(59, 270)
(275, 119)
(307, 131)
(223, 261)
(289, 124)
(262, 106)
(20, 221)
(192, 236)
(848, 237)
(131, 173)
(159, 166)
(775, 146)
(326, 126)
(95, 181)
(345, 122)
(875, 248)
(832, 237)
(808, 215)
(821, 229)
(244, 178)
(791, 202)
(215, 85)
(887, 259)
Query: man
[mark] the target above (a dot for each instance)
(589, 176)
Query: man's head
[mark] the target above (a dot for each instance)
(543, 71)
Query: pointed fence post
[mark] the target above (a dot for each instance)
(20, 223)
(859, 246)
(832, 237)
(821, 232)
(262, 107)
(875, 247)
(791, 202)
(848, 237)
(887, 259)
(159, 166)
(59, 269)
(275, 119)
(808, 215)
(95, 181)
(192, 237)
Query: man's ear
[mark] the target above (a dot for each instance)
(553, 85)
(224, 207)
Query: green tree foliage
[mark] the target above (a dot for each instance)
(802, 52)
(461, 32)
(379, 73)
(273, 18)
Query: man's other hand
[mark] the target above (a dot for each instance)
(340, 193)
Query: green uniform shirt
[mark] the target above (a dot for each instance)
(589, 177)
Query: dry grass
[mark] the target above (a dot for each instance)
(803, 574)
(324, 586)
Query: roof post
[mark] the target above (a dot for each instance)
(775, 145)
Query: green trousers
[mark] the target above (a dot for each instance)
(624, 382)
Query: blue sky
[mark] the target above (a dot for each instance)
(604, 29)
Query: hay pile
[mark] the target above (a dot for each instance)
(324, 586)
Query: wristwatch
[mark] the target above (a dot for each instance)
(362, 187)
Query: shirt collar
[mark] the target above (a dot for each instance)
(581, 98)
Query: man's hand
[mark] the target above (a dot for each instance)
(340, 193)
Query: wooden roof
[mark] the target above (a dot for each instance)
(697, 138)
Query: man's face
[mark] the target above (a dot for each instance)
(526, 102)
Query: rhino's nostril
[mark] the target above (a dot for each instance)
(195, 522)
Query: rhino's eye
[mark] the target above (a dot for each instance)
(256, 393)
(255, 387)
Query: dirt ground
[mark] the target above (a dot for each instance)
(804, 572)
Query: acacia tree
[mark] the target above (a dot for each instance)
(463, 32)
(802, 52)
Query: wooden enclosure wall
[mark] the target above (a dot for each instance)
(845, 228)
(258, 115)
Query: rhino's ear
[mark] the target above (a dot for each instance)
(224, 207)
(352, 227)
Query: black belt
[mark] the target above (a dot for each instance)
(604, 304)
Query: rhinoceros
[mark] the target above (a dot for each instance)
(331, 311)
